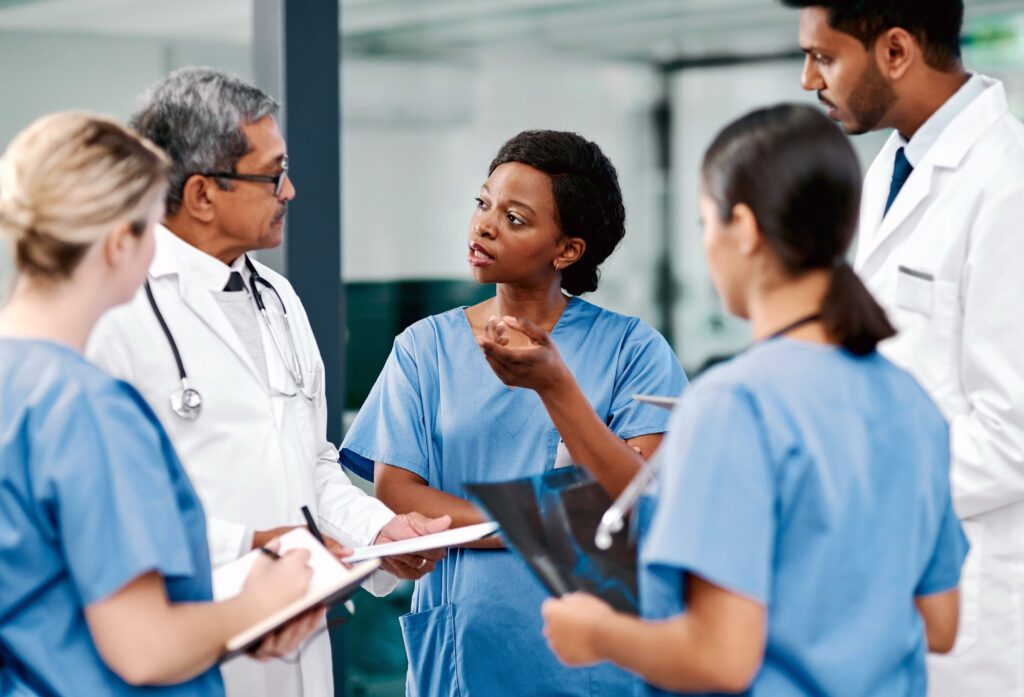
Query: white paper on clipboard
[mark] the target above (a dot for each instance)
(448, 538)
(332, 582)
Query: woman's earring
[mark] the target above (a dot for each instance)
(555, 264)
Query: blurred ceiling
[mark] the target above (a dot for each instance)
(650, 30)
(200, 20)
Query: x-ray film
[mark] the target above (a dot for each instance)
(550, 521)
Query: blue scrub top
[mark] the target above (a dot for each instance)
(92, 496)
(817, 484)
(439, 411)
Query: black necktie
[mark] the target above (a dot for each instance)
(901, 170)
(235, 282)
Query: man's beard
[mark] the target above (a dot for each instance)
(870, 101)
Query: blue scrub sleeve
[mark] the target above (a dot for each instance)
(716, 495)
(943, 571)
(646, 365)
(390, 426)
(111, 501)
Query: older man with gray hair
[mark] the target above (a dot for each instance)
(220, 347)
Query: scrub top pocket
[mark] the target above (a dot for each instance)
(558, 456)
(430, 645)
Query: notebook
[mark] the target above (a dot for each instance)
(332, 583)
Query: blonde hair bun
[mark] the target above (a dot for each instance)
(66, 180)
(16, 213)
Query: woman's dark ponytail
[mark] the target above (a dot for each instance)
(799, 175)
(851, 315)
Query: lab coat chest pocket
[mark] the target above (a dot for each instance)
(914, 290)
(929, 304)
(556, 453)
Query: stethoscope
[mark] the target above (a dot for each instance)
(186, 401)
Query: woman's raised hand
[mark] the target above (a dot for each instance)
(534, 363)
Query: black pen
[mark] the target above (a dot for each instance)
(311, 524)
(270, 553)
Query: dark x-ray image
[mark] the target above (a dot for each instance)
(550, 521)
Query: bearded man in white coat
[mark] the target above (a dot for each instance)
(256, 448)
(941, 245)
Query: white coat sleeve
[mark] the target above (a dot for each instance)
(344, 511)
(987, 442)
(110, 349)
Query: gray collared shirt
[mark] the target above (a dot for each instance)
(240, 309)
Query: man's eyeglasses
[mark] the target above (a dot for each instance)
(276, 179)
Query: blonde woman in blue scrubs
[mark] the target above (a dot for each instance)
(549, 213)
(803, 540)
(105, 584)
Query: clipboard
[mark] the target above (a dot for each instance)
(438, 540)
(331, 584)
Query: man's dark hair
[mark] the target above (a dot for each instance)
(588, 200)
(936, 24)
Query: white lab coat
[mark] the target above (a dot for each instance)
(254, 459)
(947, 263)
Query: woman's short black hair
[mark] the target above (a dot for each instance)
(588, 200)
(935, 23)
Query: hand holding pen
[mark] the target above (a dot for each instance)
(339, 550)
(272, 584)
(261, 538)
(332, 546)
(311, 525)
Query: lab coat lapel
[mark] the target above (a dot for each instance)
(876, 228)
(200, 301)
(875, 192)
(947, 154)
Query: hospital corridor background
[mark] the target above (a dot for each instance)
(428, 89)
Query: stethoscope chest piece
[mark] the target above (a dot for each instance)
(186, 402)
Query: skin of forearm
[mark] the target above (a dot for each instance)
(402, 494)
(591, 444)
(941, 615)
(149, 641)
(201, 632)
(666, 654)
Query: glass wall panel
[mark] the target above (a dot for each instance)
(431, 90)
(100, 55)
